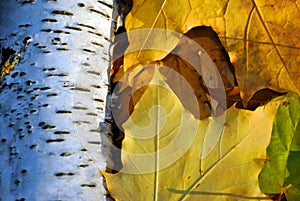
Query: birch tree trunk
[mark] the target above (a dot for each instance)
(53, 100)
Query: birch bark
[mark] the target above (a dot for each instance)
(53, 100)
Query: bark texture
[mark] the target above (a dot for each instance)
(53, 99)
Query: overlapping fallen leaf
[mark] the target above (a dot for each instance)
(163, 151)
(192, 69)
(281, 173)
(260, 36)
(128, 85)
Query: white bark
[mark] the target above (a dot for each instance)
(54, 99)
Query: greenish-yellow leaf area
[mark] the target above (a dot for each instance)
(261, 36)
(167, 154)
(281, 174)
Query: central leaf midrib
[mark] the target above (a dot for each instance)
(156, 146)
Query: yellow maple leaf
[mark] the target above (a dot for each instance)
(167, 154)
(261, 37)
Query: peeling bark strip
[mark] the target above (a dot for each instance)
(52, 93)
